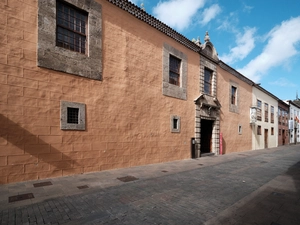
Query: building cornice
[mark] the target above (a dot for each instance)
(229, 69)
(155, 23)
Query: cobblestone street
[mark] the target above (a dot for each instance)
(253, 187)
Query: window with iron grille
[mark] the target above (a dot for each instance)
(174, 70)
(258, 111)
(233, 95)
(71, 26)
(175, 124)
(72, 115)
(266, 112)
(207, 81)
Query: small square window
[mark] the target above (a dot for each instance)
(72, 116)
(240, 129)
(175, 124)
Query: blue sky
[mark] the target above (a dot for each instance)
(259, 38)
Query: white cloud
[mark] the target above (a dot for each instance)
(283, 82)
(177, 13)
(244, 45)
(247, 8)
(229, 23)
(281, 46)
(210, 13)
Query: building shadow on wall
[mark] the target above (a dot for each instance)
(18, 136)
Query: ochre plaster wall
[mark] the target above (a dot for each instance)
(127, 117)
(229, 122)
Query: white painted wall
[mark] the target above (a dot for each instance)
(294, 111)
(258, 141)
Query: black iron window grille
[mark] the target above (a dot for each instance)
(73, 114)
(71, 27)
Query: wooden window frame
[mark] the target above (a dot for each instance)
(272, 114)
(208, 74)
(71, 27)
(174, 70)
(233, 95)
(258, 111)
(258, 130)
(272, 130)
(266, 107)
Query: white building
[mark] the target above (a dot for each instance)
(265, 127)
(294, 127)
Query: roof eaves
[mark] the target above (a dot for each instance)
(155, 23)
(235, 73)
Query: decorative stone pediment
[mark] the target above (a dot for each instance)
(208, 48)
(207, 100)
(208, 106)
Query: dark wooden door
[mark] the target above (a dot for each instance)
(266, 138)
(206, 136)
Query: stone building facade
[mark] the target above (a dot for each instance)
(235, 96)
(294, 125)
(265, 127)
(101, 84)
(104, 100)
(207, 127)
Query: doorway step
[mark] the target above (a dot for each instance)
(207, 154)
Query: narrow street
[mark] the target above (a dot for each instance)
(252, 187)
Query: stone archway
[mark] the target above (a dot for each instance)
(207, 126)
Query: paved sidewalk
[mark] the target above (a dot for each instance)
(253, 187)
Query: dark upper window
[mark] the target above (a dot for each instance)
(258, 130)
(71, 27)
(279, 116)
(175, 123)
(233, 95)
(272, 114)
(207, 81)
(272, 130)
(72, 115)
(266, 112)
(174, 70)
(258, 112)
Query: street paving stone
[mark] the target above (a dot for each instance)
(253, 187)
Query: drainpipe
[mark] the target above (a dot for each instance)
(221, 144)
